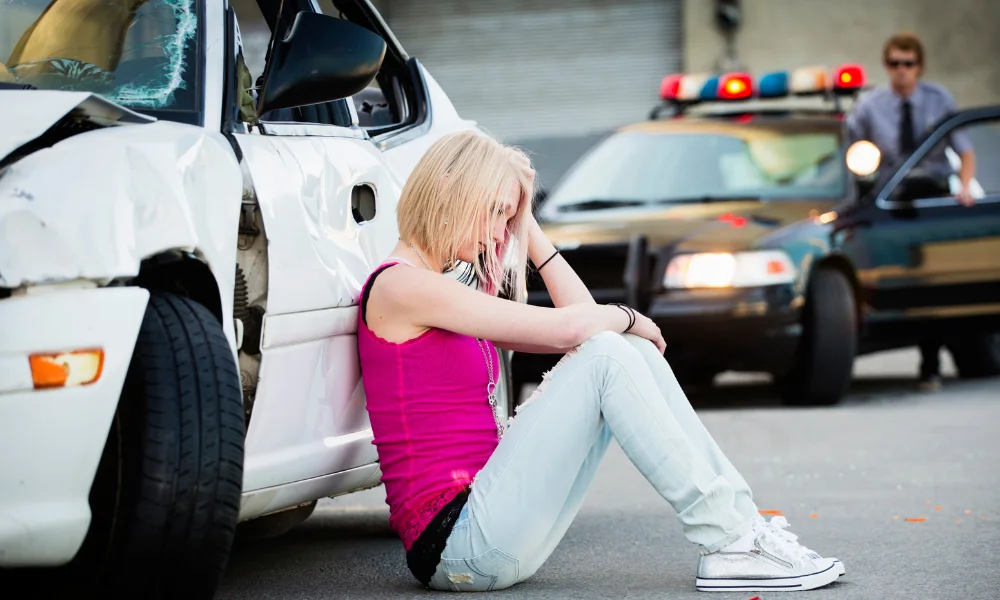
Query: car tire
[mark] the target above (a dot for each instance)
(976, 355)
(274, 525)
(166, 497)
(824, 363)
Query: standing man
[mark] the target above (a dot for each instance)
(893, 118)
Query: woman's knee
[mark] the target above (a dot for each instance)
(613, 348)
(644, 346)
(607, 342)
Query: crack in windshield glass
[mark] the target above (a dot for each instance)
(133, 52)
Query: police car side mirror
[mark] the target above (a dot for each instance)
(322, 58)
(916, 187)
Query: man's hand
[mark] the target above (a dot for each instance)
(965, 197)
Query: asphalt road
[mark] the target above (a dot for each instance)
(847, 478)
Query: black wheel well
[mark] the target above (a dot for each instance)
(184, 274)
(841, 264)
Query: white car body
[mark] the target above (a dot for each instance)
(86, 212)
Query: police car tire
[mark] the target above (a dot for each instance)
(176, 447)
(824, 362)
(977, 355)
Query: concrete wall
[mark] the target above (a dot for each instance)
(961, 38)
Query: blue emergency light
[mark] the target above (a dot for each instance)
(710, 89)
(773, 85)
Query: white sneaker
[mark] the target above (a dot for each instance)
(773, 563)
(778, 525)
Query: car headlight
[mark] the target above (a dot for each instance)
(724, 269)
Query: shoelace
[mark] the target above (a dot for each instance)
(777, 525)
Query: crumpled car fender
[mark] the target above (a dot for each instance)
(93, 206)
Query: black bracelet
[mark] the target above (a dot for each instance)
(539, 268)
(628, 311)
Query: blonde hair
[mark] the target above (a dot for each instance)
(460, 177)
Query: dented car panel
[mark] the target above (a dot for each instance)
(26, 116)
(319, 254)
(309, 412)
(93, 206)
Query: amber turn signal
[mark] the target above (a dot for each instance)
(65, 369)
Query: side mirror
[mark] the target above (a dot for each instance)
(916, 187)
(322, 58)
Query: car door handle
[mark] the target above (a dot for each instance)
(363, 205)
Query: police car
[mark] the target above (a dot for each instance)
(186, 217)
(741, 219)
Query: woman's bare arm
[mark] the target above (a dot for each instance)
(424, 299)
(561, 281)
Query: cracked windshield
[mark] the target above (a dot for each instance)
(138, 53)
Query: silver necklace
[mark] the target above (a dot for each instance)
(491, 387)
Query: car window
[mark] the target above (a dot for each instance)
(640, 167)
(936, 175)
(389, 103)
(254, 33)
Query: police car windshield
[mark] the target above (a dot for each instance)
(138, 53)
(636, 167)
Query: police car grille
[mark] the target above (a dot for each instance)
(601, 267)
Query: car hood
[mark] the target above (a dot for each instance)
(97, 198)
(28, 114)
(716, 226)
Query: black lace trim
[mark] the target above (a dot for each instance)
(425, 553)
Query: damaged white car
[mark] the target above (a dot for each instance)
(186, 218)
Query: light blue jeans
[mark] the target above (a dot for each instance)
(533, 485)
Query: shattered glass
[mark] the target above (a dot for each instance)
(139, 53)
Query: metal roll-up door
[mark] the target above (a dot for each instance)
(527, 69)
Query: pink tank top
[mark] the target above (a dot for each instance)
(431, 420)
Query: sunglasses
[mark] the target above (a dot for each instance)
(895, 64)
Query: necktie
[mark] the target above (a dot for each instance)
(907, 143)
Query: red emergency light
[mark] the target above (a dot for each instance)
(734, 220)
(849, 78)
(735, 86)
(670, 85)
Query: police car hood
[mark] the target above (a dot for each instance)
(722, 226)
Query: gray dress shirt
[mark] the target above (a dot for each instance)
(877, 114)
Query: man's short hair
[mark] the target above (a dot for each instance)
(907, 41)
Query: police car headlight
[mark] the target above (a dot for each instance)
(724, 270)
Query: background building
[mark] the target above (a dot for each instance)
(554, 76)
